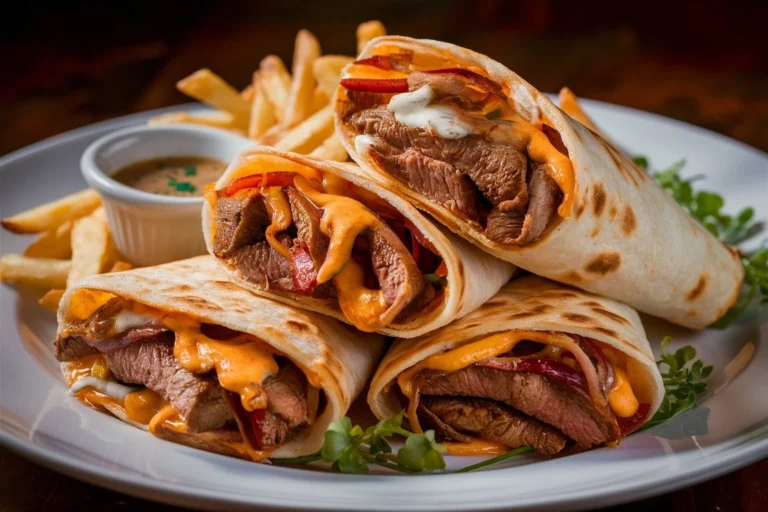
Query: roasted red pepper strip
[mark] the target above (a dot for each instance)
(303, 271)
(251, 422)
(420, 238)
(269, 179)
(629, 425)
(442, 270)
(382, 85)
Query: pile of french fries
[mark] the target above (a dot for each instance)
(73, 242)
(290, 111)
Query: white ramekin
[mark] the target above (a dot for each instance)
(150, 229)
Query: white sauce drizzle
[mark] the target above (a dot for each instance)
(362, 144)
(111, 389)
(413, 110)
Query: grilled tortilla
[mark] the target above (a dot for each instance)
(540, 364)
(493, 159)
(322, 236)
(183, 352)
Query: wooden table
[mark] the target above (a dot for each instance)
(77, 65)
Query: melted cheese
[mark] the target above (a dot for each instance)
(141, 406)
(343, 220)
(413, 109)
(167, 417)
(365, 308)
(114, 390)
(280, 218)
(476, 447)
(622, 400)
(559, 167)
(241, 363)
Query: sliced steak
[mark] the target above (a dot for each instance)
(494, 422)
(525, 227)
(438, 180)
(72, 348)
(530, 393)
(306, 216)
(448, 88)
(498, 170)
(241, 220)
(262, 265)
(399, 277)
(287, 409)
(199, 399)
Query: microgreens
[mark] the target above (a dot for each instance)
(706, 207)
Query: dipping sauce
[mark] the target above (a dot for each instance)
(181, 176)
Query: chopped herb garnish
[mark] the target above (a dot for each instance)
(496, 459)
(432, 278)
(190, 170)
(182, 186)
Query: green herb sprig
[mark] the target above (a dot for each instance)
(182, 186)
(685, 379)
(350, 449)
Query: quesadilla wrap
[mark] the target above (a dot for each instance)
(488, 156)
(540, 364)
(181, 351)
(322, 236)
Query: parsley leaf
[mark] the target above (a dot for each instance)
(350, 449)
(685, 379)
(190, 170)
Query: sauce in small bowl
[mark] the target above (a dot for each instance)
(151, 180)
(179, 176)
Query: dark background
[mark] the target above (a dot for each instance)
(68, 64)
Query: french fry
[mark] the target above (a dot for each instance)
(50, 216)
(211, 89)
(327, 71)
(92, 247)
(276, 83)
(305, 51)
(121, 266)
(222, 120)
(262, 116)
(39, 272)
(273, 135)
(309, 134)
(54, 244)
(367, 31)
(331, 149)
(569, 102)
(319, 100)
(248, 93)
(51, 299)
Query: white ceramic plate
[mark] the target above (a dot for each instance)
(729, 430)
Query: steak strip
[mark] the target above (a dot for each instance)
(530, 393)
(492, 421)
